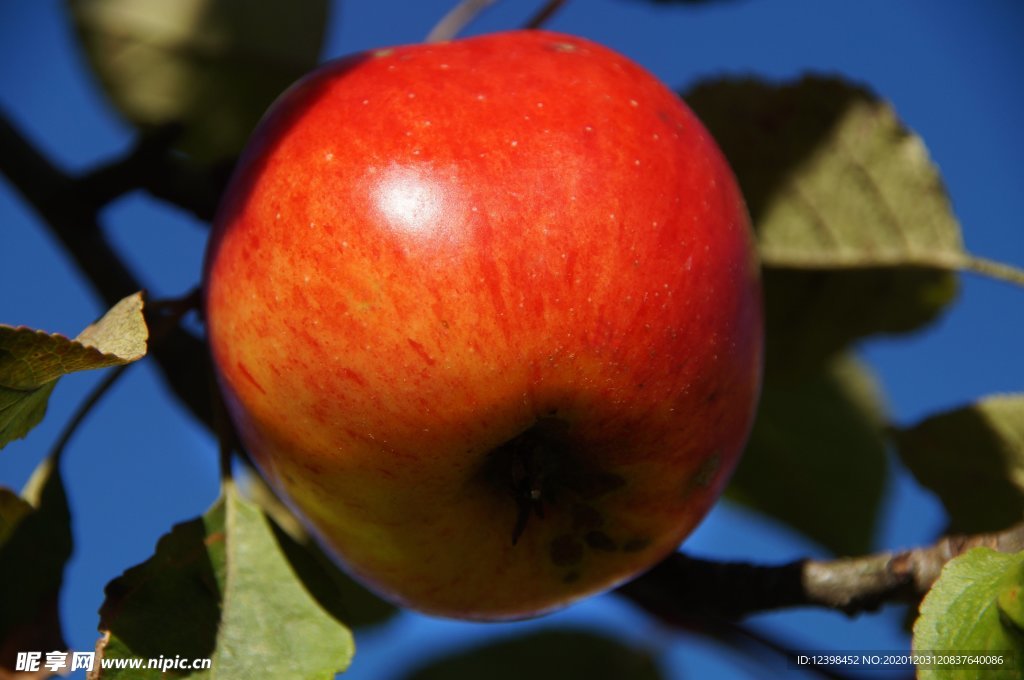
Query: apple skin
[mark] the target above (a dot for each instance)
(487, 314)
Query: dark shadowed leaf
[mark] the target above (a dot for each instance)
(973, 459)
(816, 457)
(205, 593)
(974, 608)
(170, 604)
(812, 314)
(854, 226)
(31, 361)
(211, 66)
(35, 544)
(546, 655)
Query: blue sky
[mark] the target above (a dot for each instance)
(952, 69)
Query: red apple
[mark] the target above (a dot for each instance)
(487, 314)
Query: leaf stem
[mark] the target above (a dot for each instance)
(83, 410)
(993, 269)
(171, 312)
(152, 165)
(164, 315)
(457, 18)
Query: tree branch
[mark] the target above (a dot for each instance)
(457, 18)
(71, 217)
(70, 211)
(544, 14)
(152, 166)
(683, 589)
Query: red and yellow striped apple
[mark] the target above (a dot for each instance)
(487, 315)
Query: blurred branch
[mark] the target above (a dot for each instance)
(457, 18)
(682, 589)
(544, 14)
(758, 646)
(69, 207)
(83, 410)
(152, 166)
(71, 217)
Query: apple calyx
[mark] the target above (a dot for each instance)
(539, 467)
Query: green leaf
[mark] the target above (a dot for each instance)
(974, 608)
(854, 227)
(353, 604)
(546, 655)
(973, 459)
(1011, 602)
(35, 544)
(297, 637)
(210, 66)
(820, 434)
(31, 361)
(226, 587)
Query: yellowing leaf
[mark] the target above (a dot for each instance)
(832, 177)
(31, 361)
(210, 66)
(854, 227)
(121, 333)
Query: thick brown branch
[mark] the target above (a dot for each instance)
(71, 214)
(153, 167)
(71, 217)
(682, 589)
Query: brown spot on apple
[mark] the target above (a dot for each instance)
(636, 544)
(705, 474)
(598, 540)
(566, 551)
(593, 484)
(586, 517)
